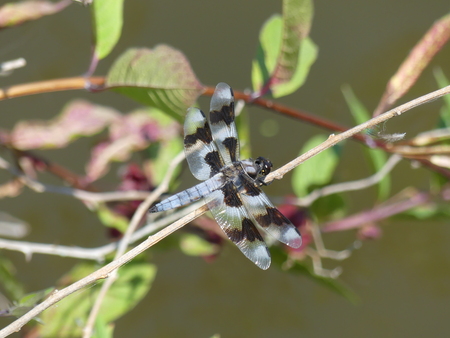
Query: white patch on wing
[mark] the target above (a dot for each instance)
(195, 156)
(257, 253)
(194, 119)
(195, 153)
(223, 96)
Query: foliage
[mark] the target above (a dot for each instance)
(146, 139)
(285, 53)
(159, 77)
(316, 172)
(377, 156)
(134, 281)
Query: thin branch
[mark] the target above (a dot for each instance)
(49, 86)
(324, 252)
(334, 139)
(59, 171)
(317, 265)
(97, 254)
(102, 273)
(421, 151)
(138, 215)
(350, 186)
(77, 193)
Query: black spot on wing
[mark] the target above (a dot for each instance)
(231, 144)
(272, 216)
(214, 161)
(248, 186)
(202, 133)
(248, 232)
(226, 114)
(231, 196)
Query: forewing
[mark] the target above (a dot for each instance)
(268, 217)
(223, 127)
(201, 152)
(226, 207)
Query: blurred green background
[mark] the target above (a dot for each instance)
(402, 279)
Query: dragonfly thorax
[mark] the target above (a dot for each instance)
(256, 168)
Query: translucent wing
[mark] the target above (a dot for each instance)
(201, 152)
(223, 127)
(262, 211)
(228, 210)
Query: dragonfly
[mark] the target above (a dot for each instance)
(231, 187)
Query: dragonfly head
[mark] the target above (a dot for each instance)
(264, 165)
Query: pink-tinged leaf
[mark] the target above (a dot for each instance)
(376, 214)
(132, 178)
(79, 118)
(161, 77)
(419, 57)
(13, 14)
(130, 133)
(297, 16)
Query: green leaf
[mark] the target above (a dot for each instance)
(33, 298)
(68, 318)
(378, 157)
(10, 284)
(107, 17)
(194, 245)
(103, 329)
(430, 211)
(316, 171)
(161, 77)
(243, 129)
(112, 219)
(329, 207)
(163, 152)
(285, 53)
(442, 81)
(300, 267)
(27, 302)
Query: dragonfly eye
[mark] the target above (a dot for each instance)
(265, 166)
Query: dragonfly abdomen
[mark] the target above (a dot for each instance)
(189, 195)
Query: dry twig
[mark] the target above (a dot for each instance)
(350, 186)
